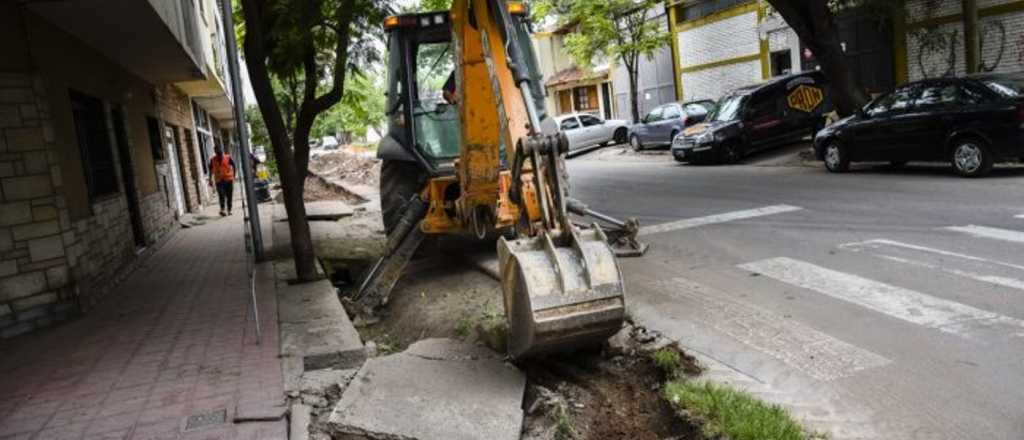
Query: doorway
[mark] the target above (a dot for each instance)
(606, 100)
(128, 176)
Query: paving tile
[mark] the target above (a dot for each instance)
(170, 341)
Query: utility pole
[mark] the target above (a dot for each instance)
(243, 128)
(972, 42)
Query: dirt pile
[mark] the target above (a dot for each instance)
(360, 168)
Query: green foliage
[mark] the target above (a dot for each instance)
(605, 29)
(728, 413)
(434, 5)
(668, 360)
(565, 427)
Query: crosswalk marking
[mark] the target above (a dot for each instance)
(905, 304)
(717, 218)
(979, 264)
(804, 348)
(993, 233)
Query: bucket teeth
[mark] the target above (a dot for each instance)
(560, 297)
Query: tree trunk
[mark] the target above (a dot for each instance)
(815, 24)
(634, 105)
(291, 179)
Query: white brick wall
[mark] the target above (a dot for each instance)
(713, 83)
(929, 54)
(730, 38)
(1002, 40)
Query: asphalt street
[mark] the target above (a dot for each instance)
(882, 303)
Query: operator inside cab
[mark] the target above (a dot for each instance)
(449, 90)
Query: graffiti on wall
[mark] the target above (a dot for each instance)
(992, 34)
(936, 52)
(1020, 50)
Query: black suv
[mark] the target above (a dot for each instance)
(972, 122)
(753, 118)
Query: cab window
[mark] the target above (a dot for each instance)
(570, 124)
(899, 100)
(589, 121)
(436, 122)
(671, 112)
(761, 108)
(654, 115)
(937, 96)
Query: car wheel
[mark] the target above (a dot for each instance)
(971, 158)
(731, 154)
(619, 137)
(837, 159)
(634, 142)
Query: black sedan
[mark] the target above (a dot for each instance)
(972, 122)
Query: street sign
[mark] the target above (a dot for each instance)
(805, 98)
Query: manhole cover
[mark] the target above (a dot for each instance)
(203, 420)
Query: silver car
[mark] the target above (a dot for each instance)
(661, 125)
(586, 130)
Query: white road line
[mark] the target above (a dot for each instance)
(806, 349)
(908, 305)
(1019, 216)
(717, 218)
(987, 232)
(876, 245)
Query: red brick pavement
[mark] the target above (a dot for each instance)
(174, 340)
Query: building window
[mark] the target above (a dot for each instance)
(704, 8)
(585, 98)
(153, 124)
(782, 63)
(94, 144)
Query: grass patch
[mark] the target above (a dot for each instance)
(668, 361)
(565, 428)
(733, 414)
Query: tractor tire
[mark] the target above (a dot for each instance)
(399, 181)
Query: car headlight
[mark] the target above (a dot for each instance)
(706, 137)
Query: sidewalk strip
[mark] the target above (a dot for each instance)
(993, 233)
(717, 218)
(978, 265)
(908, 305)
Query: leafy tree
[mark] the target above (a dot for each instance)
(608, 30)
(814, 21)
(361, 109)
(308, 46)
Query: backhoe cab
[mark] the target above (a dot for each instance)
(484, 158)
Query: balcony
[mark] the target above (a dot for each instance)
(158, 40)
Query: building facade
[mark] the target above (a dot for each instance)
(571, 88)
(721, 45)
(656, 83)
(101, 143)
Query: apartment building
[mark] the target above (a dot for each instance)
(108, 115)
(571, 88)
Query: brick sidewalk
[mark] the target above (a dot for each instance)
(173, 344)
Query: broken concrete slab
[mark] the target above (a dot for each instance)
(359, 237)
(325, 343)
(435, 390)
(329, 210)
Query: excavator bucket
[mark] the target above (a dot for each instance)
(560, 297)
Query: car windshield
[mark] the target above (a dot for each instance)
(1006, 87)
(728, 109)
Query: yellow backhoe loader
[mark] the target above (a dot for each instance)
(470, 149)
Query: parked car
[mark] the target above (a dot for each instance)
(661, 125)
(586, 130)
(971, 122)
(753, 118)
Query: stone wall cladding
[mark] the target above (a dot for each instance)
(52, 268)
(36, 287)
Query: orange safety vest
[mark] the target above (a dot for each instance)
(221, 168)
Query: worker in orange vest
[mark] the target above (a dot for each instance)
(222, 174)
